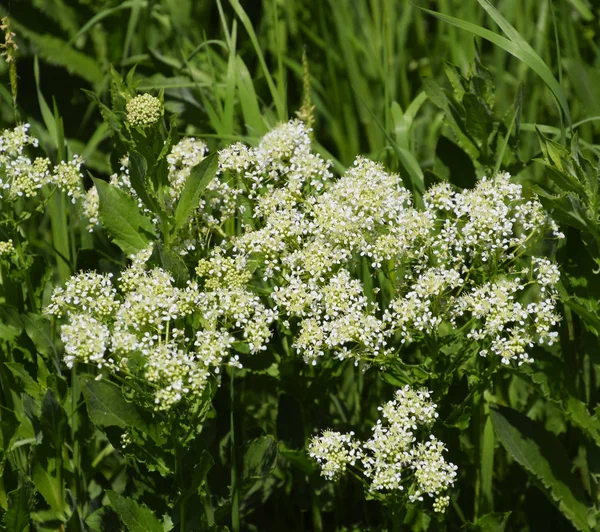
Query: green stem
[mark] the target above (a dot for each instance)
(179, 477)
(235, 495)
(60, 234)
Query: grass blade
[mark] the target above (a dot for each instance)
(520, 49)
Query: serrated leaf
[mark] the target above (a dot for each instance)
(20, 504)
(108, 407)
(260, 457)
(29, 384)
(542, 455)
(136, 517)
(200, 176)
(58, 52)
(138, 168)
(120, 216)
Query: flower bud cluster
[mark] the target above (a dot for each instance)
(144, 110)
(7, 248)
(393, 459)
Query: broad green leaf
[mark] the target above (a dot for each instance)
(120, 216)
(38, 329)
(542, 455)
(200, 176)
(136, 517)
(50, 487)
(173, 262)
(107, 406)
(260, 458)
(20, 505)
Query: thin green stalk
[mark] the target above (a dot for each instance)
(179, 477)
(235, 495)
(60, 233)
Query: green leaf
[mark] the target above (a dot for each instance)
(138, 168)
(29, 384)
(542, 455)
(120, 216)
(137, 518)
(260, 458)
(20, 505)
(493, 522)
(50, 488)
(58, 52)
(249, 100)
(108, 407)
(53, 419)
(10, 323)
(487, 466)
(200, 176)
(38, 329)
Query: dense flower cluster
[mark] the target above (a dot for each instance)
(144, 110)
(466, 259)
(20, 176)
(393, 459)
(144, 325)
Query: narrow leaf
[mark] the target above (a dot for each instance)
(199, 178)
(542, 455)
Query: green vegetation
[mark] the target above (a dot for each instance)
(221, 309)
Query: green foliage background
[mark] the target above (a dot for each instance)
(446, 90)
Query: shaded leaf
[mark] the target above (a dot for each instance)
(136, 517)
(542, 455)
(108, 407)
(260, 457)
(20, 505)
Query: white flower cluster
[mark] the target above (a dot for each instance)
(21, 176)
(307, 234)
(393, 459)
(7, 248)
(334, 451)
(143, 327)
